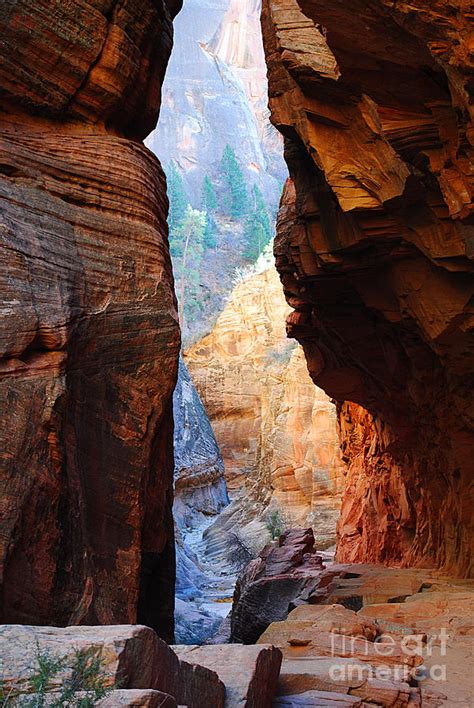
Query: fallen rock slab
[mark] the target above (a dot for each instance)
(199, 687)
(269, 584)
(132, 657)
(425, 612)
(249, 673)
(341, 675)
(318, 698)
(323, 618)
(139, 698)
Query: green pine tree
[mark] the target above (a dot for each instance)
(177, 197)
(258, 231)
(209, 196)
(210, 232)
(187, 248)
(235, 195)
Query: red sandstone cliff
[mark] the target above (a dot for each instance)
(374, 99)
(90, 338)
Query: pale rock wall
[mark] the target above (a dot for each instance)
(276, 431)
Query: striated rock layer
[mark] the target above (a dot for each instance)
(199, 482)
(374, 249)
(276, 431)
(90, 338)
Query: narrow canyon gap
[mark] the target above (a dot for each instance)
(373, 250)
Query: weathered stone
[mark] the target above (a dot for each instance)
(249, 673)
(341, 675)
(374, 251)
(199, 482)
(427, 610)
(318, 698)
(305, 622)
(88, 350)
(131, 656)
(271, 582)
(143, 698)
(199, 687)
(277, 432)
(84, 61)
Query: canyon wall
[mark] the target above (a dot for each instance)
(374, 250)
(276, 431)
(90, 338)
(199, 482)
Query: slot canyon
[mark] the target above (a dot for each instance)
(237, 353)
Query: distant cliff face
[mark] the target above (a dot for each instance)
(374, 248)
(215, 94)
(199, 482)
(277, 432)
(89, 340)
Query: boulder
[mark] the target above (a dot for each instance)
(132, 658)
(270, 583)
(249, 673)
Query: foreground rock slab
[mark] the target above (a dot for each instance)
(362, 634)
(128, 698)
(132, 657)
(142, 698)
(249, 673)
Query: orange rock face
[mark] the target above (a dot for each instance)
(90, 338)
(375, 101)
(277, 432)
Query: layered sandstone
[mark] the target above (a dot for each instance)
(90, 339)
(276, 431)
(374, 246)
(140, 669)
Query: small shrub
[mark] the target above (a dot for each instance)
(85, 675)
(275, 525)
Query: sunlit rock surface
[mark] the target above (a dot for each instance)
(374, 249)
(276, 431)
(89, 341)
(357, 634)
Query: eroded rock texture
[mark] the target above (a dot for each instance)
(89, 338)
(374, 245)
(200, 487)
(276, 431)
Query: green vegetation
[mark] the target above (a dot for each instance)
(209, 197)
(275, 525)
(226, 209)
(84, 685)
(235, 202)
(258, 231)
(177, 197)
(187, 248)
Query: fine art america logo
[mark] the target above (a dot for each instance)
(403, 658)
